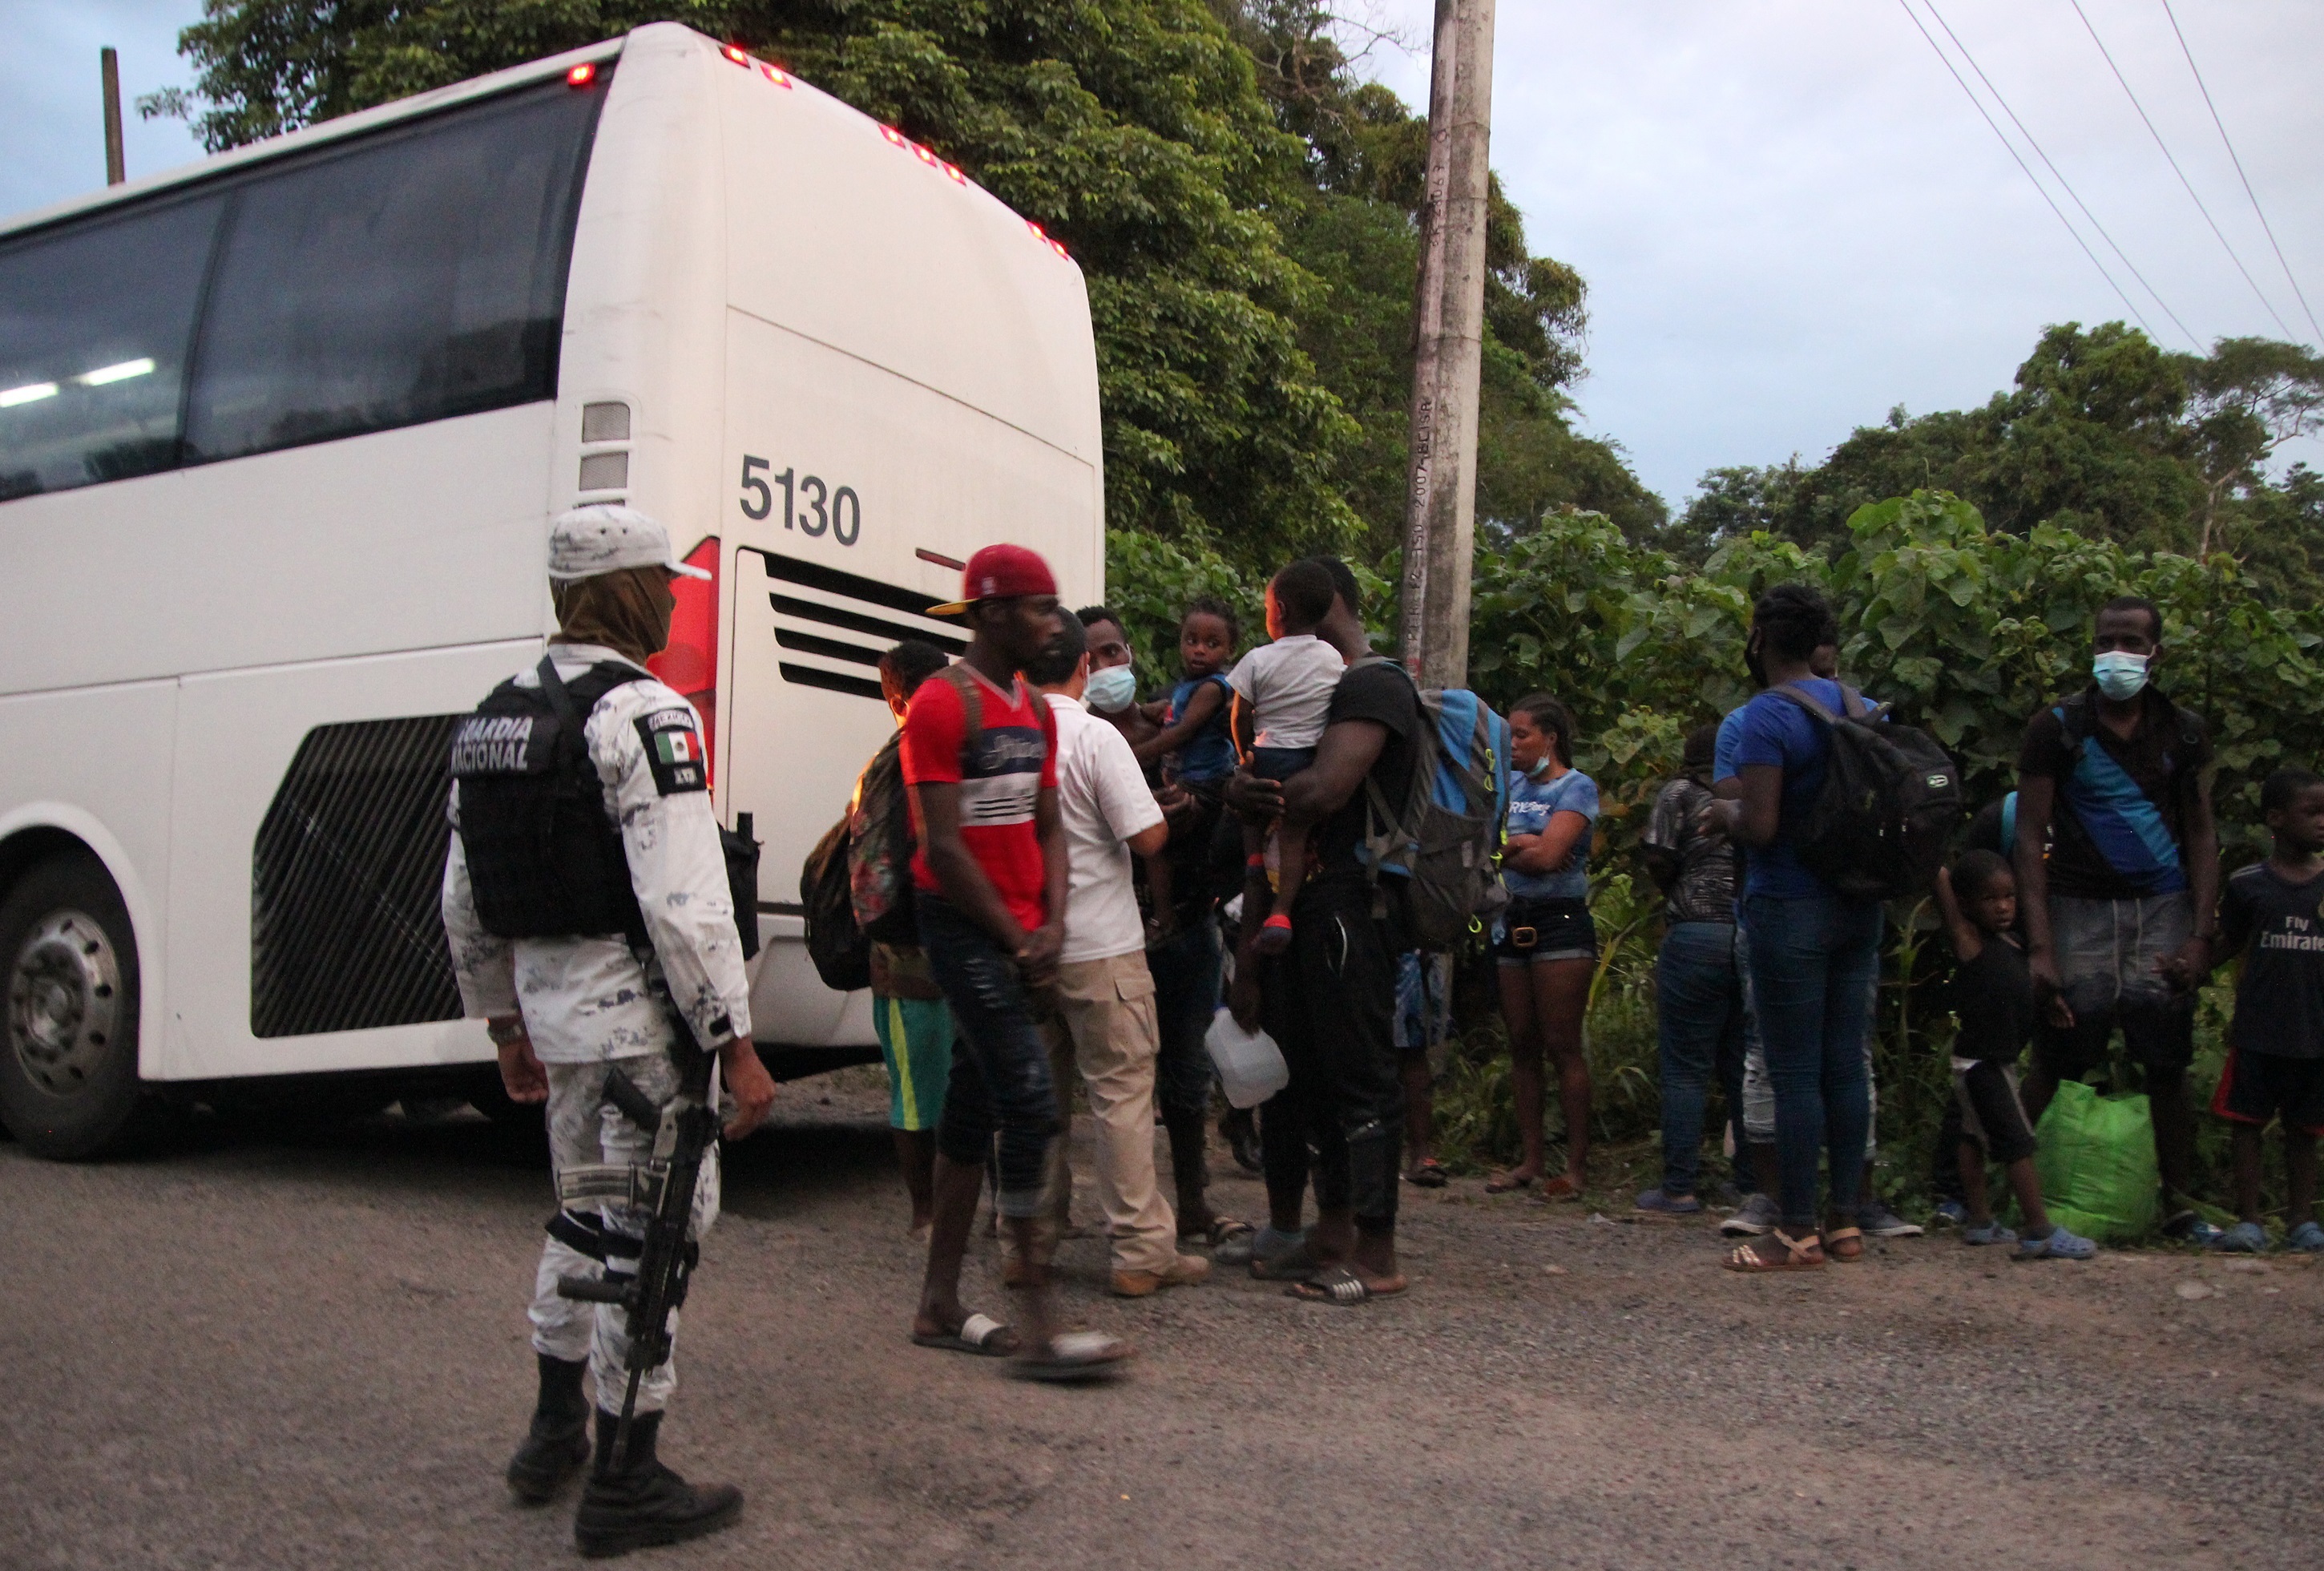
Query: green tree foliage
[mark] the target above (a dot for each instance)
(2104, 434)
(1241, 207)
(1967, 631)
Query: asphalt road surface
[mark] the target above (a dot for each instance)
(251, 1351)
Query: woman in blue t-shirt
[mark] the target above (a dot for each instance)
(1815, 954)
(1546, 944)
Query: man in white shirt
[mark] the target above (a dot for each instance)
(1104, 994)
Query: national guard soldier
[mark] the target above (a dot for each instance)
(586, 900)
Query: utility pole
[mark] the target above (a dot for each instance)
(1448, 331)
(110, 63)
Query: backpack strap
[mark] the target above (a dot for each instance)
(1853, 704)
(972, 707)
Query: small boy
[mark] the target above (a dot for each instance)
(1993, 994)
(2276, 1045)
(1194, 722)
(1282, 698)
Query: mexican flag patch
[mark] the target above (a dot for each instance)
(674, 752)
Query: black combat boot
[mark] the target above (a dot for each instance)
(559, 1442)
(645, 1503)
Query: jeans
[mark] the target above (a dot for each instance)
(1330, 1004)
(1185, 996)
(1000, 1064)
(1813, 966)
(1698, 998)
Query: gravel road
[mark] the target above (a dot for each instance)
(250, 1352)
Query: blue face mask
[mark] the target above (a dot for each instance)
(2120, 676)
(1110, 690)
(1540, 768)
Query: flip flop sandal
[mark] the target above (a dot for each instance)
(1844, 1243)
(1428, 1173)
(1339, 1286)
(979, 1334)
(1502, 1183)
(1796, 1258)
(1223, 1230)
(1075, 1357)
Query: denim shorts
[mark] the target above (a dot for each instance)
(1534, 931)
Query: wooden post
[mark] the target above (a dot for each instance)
(116, 171)
(1441, 499)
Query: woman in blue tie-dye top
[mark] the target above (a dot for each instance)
(1546, 943)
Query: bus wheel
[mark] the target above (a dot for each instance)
(69, 1087)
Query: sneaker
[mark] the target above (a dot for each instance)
(1989, 1232)
(1878, 1222)
(1759, 1216)
(1659, 1202)
(2060, 1245)
(1949, 1213)
(2305, 1239)
(2186, 1227)
(2243, 1238)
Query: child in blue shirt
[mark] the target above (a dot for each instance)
(1194, 722)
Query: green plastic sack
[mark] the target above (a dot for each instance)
(2096, 1163)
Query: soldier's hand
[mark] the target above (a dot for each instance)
(749, 1084)
(522, 1075)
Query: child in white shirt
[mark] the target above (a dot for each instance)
(1282, 698)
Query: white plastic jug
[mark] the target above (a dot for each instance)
(1251, 1066)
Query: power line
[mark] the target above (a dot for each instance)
(2181, 173)
(2289, 277)
(2059, 175)
(1979, 103)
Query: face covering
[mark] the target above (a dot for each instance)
(2119, 676)
(627, 611)
(1539, 769)
(1112, 689)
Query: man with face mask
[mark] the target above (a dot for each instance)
(617, 929)
(2116, 781)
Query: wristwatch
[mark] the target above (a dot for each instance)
(505, 1032)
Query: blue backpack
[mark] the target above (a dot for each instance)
(1442, 837)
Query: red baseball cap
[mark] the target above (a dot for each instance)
(1000, 572)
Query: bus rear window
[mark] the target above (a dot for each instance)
(400, 280)
(406, 275)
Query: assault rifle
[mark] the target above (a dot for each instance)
(665, 1183)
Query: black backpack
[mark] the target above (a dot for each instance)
(1891, 799)
(841, 950)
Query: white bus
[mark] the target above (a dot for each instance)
(280, 434)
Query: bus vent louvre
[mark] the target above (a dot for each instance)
(346, 880)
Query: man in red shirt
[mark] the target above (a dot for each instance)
(980, 759)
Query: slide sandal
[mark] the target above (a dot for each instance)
(1076, 1355)
(980, 1334)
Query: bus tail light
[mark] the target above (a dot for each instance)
(689, 664)
(581, 76)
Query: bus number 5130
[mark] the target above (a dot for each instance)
(838, 512)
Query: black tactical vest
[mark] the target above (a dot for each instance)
(544, 860)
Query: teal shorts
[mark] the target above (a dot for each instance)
(915, 1037)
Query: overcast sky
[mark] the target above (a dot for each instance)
(1790, 216)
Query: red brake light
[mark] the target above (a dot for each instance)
(689, 664)
(581, 76)
(736, 55)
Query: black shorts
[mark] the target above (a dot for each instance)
(2258, 1088)
(1544, 929)
(1992, 1118)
